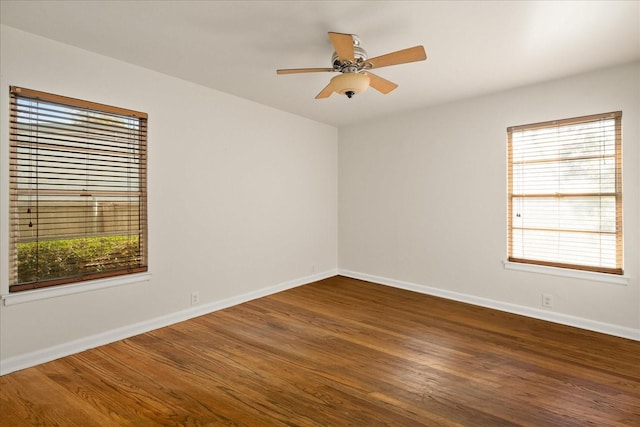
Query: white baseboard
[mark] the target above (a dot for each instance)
(28, 360)
(564, 319)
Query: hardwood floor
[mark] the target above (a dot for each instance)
(339, 352)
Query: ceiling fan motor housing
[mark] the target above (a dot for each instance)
(359, 56)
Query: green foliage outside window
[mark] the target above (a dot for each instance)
(75, 257)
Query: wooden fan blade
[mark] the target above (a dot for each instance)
(343, 44)
(303, 70)
(380, 84)
(411, 54)
(326, 92)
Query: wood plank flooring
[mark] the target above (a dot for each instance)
(339, 352)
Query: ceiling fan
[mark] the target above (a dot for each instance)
(351, 61)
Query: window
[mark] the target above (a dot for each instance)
(565, 193)
(78, 201)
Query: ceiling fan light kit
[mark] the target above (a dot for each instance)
(350, 84)
(350, 60)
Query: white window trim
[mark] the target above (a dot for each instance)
(567, 272)
(71, 289)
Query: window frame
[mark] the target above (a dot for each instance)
(617, 194)
(140, 147)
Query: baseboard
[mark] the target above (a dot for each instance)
(28, 360)
(564, 319)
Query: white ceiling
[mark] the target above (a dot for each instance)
(473, 47)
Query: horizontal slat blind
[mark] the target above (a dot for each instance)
(77, 190)
(565, 193)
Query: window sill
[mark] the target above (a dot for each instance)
(76, 288)
(565, 272)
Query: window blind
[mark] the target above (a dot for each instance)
(565, 193)
(78, 200)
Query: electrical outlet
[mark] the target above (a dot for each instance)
(547, 300)
(195, 298)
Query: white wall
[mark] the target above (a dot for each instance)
(422, 200)
(242, 197)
